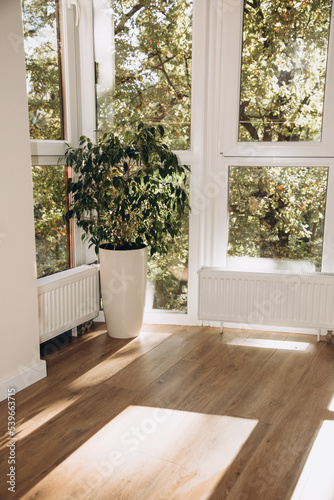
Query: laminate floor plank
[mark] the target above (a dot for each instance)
(76, 359)
(265, 335)
(70, 356)
(265, 396)
(213, 353)
(162, 454)
(145, 370)
(167, 392)
(321, 372)
(217, 392)
(228, 480)
(82, 375)
(55, 440)
(214, 442)
(278, 461)
(110, 464)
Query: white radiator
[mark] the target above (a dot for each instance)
(275, 299)
(66, 300)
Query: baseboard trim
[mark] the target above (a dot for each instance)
(262, 328)
(23, 378)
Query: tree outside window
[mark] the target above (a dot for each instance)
(277, 213)
(51, 230)
(152, 68)
(42, 43)
(284, 62)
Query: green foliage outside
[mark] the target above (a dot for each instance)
(50, 226)
(277, 212)
(42, 68)
(169, 273)
(153, 55)
(283, 69)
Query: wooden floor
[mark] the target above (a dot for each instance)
(178, 413)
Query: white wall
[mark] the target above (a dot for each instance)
(20, 364)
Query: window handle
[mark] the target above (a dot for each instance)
(70, 4)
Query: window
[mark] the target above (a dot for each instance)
(143, 53)
(277, 135)
(55, 65)
(51, 30)
(278, 79)
(42, 43)
(143, 59)
(277, 213)
(52, 233)
(168, 276)
(112, 62)
(284, 59)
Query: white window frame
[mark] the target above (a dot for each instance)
(251, 161)
(231, 74)
(79, 97)
(47, 152)
(232, 152)
(79, 82)
(194, 158)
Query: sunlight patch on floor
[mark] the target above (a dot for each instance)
(99, 373)
(147, 451)
(273, 344)
(317, 478)
(26, 427)
(119, 360)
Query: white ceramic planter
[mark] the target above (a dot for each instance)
(123, 286)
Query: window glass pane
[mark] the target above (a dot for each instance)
(283, 74)
(167, 287)
(277, 213)
(43, 68)
(51, 230)
(143, 56)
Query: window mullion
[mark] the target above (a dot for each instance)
(328, 244)
(86, 70)
(70, 79)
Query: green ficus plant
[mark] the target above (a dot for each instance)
(127, 193)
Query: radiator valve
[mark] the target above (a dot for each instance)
(85, 327)
(329, 336)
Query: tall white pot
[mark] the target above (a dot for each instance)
(123, 286)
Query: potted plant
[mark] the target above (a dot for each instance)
(126, 195)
